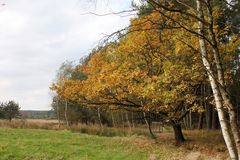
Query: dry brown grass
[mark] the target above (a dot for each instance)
(107, 131)
(209, 143)
(200, 145)
(80, 128)
(42, 121)
(29, 123)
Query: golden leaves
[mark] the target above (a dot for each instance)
(150, 65)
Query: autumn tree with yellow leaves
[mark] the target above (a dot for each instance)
(147, 71)
(168, 51)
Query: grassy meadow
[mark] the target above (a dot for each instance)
(43, 144)
(38, 144)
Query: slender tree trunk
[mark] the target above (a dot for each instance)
(206, 107)
(113, 120)
(201, 115)
(223, 122)
(216, 92)
(237, 110)
(190, 119)
(128, 122)
(122, 118)
(214, 120)
(65, 113)
(132, 116)
(179, 138)
(231, 109)
(200, 121)
(184, 122)
(148, 125)
(99, 117)
(233, 119)
(209, 111)
(187, 120)
(58, 114)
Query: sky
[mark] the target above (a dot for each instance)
(37, 36)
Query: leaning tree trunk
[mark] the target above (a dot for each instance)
(216, 92)
(179, 138)
(148, 125)
(231, 109)
(216, 54)
(219, 105)
(233, 120)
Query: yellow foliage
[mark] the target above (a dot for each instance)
(154, 69)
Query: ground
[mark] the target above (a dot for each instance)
(40, 144)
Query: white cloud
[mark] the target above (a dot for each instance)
(37, 36)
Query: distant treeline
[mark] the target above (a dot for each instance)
(29, 114)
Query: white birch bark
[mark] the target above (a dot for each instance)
(216, 91)
(221, 82)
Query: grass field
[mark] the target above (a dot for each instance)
(39, 144)
(29, 144)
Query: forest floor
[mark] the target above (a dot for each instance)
(40, 144)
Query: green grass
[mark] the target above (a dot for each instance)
(37, 144)
(40, 144)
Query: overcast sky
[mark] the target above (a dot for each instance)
(36, 36)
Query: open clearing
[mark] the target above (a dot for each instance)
(39, 144)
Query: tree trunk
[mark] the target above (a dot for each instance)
(113, 120)
(220, 74)
(237, 110)
(187, 124)
(233, 119)
(216, 92)
(132, 116)
(122, 118)
(214, 120)
(99, 117)
(148, 125)
(202, 102)
(223, 122)
(200, 121)
(58, 114)
(179, 138)
(209, 117)
(128, 122)
(190, 119)
(65, 113)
